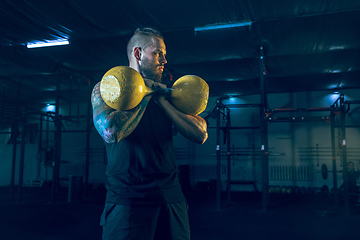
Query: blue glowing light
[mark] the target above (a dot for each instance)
(47, 43)
(49, 108)
(222, 26)
(331, 98)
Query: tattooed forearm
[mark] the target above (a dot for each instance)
(113, 125)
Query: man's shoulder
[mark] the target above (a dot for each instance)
(97, 85)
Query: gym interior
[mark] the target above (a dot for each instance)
(283, 115)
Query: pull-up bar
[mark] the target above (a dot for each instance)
(300, 109)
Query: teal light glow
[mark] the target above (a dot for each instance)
(49, 108)
(222, 26)
(331, 98)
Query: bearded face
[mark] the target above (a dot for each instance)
(149, 69)
(151, 64)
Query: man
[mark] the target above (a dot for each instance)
(144, 198)
(352, 177)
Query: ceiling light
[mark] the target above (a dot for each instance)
(49, 108)
(336, 47)
(222, 26)
(47, 43)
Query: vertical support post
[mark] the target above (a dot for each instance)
(47, 130)
(344, 155)
(228, 155)
(218, 157)
(78, 101)
(70, 90)
(333, 154)
(317, 154)
(87, 154)
(3, 102)
(47, 146)
(40, 147)
(264, 134)
(254, 165)
(265, 166)
(57, 146)
(14, 135)
(22, 159)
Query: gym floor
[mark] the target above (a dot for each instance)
(295, 217)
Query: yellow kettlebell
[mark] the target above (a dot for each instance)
(190, 94)
(123, 88)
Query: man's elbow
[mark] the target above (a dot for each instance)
(201, 138)
(107, 133)
(109, 136)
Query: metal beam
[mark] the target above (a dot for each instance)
(326, 109)
(57, 147)
(299, 119)
(22, 159)
(333, 153)
(228, 154)
(218, 158)
(344, 156)
(264, 134)
(14, 134)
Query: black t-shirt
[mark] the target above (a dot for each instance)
(141, 167)
(353, 175)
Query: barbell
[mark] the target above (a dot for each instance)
(123, 88)
(324, 171)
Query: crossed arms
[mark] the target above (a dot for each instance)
(113, 125)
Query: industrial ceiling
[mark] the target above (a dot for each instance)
(308, 45)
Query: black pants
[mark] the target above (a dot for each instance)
(154, 222)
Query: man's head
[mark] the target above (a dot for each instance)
(146, 52)
(350, 166)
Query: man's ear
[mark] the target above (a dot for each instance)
(137, 53)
